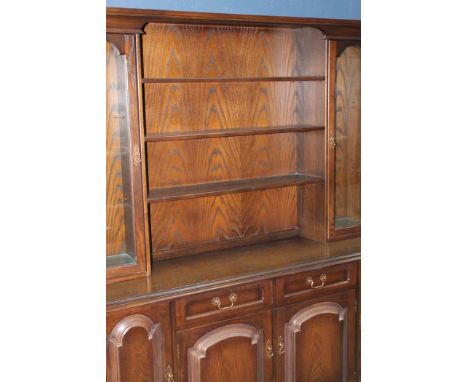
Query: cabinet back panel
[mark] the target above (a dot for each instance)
(175, 107)
(189, 222)
(207, 51)
(219, 159)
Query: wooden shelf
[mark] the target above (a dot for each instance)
(229, 187)
(215, 133)
(232, 79)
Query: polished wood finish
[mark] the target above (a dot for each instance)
(233, 116)
(210, 271)
(243, 79)
(232, 351)
(318, 340)
(298, 287)
(139, 344)
(220, 159)
(230, 187)
(186, 224)
(134, 21)
(207, 51)
(216, 133)
(203, 106)
(132, 177)
(198, 309)
(344, 136)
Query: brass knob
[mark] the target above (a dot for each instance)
(136, 156)
(216, 301)
(323, 278)
(169, 374)
(269, 349)
(310, 281)
(280, 347)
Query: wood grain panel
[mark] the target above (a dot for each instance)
(115, 147)
(348, 137)
(220, 159)
(319, 350)
(178, 50)
(183, 223)
(136, 357)
(231, 360)
(228, 351)
(216, 106)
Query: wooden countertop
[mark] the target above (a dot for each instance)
(187, 275)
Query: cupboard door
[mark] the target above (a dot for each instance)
(314, 341)
(139, 345)
(126, 254)
(234, 351)
(344, 139)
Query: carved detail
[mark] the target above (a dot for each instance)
(199, 349)
(115, 341)
(294, 326)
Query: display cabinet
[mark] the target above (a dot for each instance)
(126, 255)
(233, 175)
(344, 139)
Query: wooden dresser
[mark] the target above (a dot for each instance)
(233, 198)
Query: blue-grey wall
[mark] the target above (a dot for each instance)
(331, 9)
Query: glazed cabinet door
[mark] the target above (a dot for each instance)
(314, 340)
(344, 139)
(233, 351)
(126, 255)
(139, 347)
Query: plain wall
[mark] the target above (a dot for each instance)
(330, 9)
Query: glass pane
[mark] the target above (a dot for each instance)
(119, 220)
(348, 138)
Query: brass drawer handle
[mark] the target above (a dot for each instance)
(269, 349)
(136, 156)
(169, 374)
(310, 281)
(216, 301)
(323, 278)
(280, 347)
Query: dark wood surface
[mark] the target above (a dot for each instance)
(189, 223)
(220, 159)
(198, 309)
(227, 110)
(318, 340)
(215, 133)
(208, 51)
(230, 187)
(200, 106)
(134, 21)
(314, 283)
(230, 351)
(139, 342)
(187, 275)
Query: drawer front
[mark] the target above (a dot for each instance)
(223, 303)
(315, 283)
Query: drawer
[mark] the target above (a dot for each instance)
(223, 303)
(315, 283)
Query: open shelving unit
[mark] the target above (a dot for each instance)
(234, 134)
